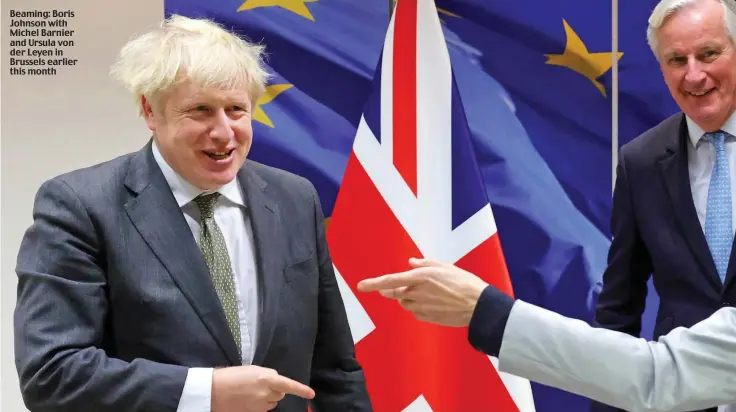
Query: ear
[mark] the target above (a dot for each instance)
(147, 113)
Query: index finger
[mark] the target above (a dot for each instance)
(283, 384)
(391, 281)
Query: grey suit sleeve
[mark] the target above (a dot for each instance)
(337, 377)
(61, 320)
(685, 370)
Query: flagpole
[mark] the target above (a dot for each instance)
(614, 91)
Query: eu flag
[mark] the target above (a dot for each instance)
(535, 81)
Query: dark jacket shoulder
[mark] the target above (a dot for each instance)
(656, 142)
(282, 182)
(101, 179)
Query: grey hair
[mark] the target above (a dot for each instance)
(198, 50)
(666, 8)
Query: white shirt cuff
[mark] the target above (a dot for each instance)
(197, 393)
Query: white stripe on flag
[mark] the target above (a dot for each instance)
(387, 94)
(387, 179)
(519, 389)
(360, 323)
(434, 132)
(419, 405)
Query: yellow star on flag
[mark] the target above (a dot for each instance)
(449, 13)
(577, 58)
(271, 92)
(295, 6)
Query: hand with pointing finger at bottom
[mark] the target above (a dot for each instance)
(434, 292)
(252, 389)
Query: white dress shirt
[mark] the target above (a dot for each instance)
(232, 219)
(701, 156)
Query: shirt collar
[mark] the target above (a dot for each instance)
(184, 192)
(696, 132)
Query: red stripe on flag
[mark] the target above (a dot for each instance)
(487, 262)
(405, 91)
(404, 358)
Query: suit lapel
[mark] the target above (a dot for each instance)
(159, 220)
(268, 242)
(674, 171)
(731, 270)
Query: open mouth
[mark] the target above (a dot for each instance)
(219, 155)
(700, 94)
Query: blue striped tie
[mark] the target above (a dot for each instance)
(718, 231)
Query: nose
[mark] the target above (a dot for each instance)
(221, 126)
(695, 75)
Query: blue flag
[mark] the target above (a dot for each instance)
(644, 99)
(535, 81)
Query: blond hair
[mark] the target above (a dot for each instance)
(198, 50)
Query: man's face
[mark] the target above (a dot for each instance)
(698, 63)
(203, 134)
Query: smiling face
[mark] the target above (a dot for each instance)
(203, 134)
(698, 63)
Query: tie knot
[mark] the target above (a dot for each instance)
(717, 139)
(206, 203)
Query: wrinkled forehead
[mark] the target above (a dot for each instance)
(187, 92)
(693, 31)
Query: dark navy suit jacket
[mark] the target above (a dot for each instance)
(656, 233)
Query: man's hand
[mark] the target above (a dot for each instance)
(434, 292)
(252, 389)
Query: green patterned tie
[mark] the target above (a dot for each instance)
(215, 254)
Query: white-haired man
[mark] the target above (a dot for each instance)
(183, 277)
(672, 219)
(673, 213)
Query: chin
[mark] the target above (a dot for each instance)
(220, 179)
(210, 181)
(709, 121)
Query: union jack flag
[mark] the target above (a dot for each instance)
(412, 188)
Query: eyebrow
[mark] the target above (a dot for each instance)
(711, 45)
(671, 54)
(199, 100)
(705, 47)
